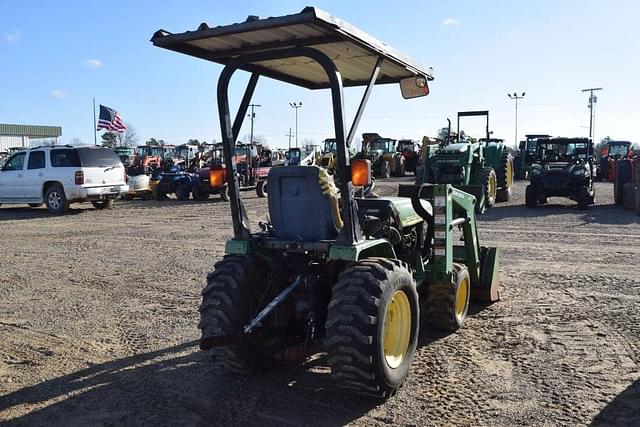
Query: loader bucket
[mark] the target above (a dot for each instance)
(487, 291)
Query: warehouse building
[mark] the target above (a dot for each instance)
(25, 136)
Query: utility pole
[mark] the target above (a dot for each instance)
(516, 97)
(252, 116)
(289, 135)
(296, 106)
(592, 114)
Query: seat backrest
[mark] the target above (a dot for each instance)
(297, 207)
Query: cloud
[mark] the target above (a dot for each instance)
(12, 37)
(94, 63)
(450, 21)
(58, 94)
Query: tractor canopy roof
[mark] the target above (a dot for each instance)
(537, 136)
(354, 52)
(622, 143)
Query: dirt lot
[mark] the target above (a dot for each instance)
(98, 316)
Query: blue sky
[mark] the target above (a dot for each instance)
(56, 56)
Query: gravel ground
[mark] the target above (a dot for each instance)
(98, 318)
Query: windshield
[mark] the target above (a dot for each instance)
(98, 157)
(618, 150)
(532, 144)
(563, 152)
(149, 151)
(405, 145)
(381, 144)
(330, 146)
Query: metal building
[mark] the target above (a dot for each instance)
(27, 136)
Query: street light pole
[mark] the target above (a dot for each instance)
(592, 114)
(252, 116)
(516, 97)
(296, 106)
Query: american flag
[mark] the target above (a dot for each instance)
(110, 119)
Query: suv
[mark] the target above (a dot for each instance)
(60, 175)
(562, 167)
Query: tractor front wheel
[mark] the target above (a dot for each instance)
(230, 297)
(504, 175)
(448, 303)
(183, 191)
(372, 327)
(583, 197)
(531, 197)
(489, 190)
(261, 188)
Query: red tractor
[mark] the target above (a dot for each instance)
(410, 150)
(626, 180)
(150, 157)
(614, 151)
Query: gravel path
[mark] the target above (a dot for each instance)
(98, 318)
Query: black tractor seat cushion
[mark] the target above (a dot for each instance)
(297, 207)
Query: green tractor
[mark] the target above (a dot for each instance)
(328, 271)
(526, 155)
(385, 159)
(483, 169)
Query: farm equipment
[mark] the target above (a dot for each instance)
(187, 155)
(308, 156)
(624, 179)
(252, 168)
(483, 169)
(208, 183)
(150, 157)
(384, 157)
(328, 269)
(526, 154)
(615, 150)
(172, 178)
(563, 167)
(126, 154)
(410, 150)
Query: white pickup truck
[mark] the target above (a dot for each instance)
(60, 175)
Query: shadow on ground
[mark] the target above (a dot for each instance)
(180, 385)
(20, 213)
(597, 214)
(624, 410)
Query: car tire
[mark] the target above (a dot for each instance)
(531, 197)
(102, 204)
(183, 191)
(261, 188)
(56, 200)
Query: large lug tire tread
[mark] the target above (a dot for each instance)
(355, 327)
(199, 195)
(531, 197)
(441, 299)
(504, 189)
(584, 197)
(227, 303)
(489, 200)
(183, 191)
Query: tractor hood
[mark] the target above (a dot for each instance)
(459, 147)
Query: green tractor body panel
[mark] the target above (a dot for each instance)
(239, 247)
(407, 215)
(363, 249)
(493, 154)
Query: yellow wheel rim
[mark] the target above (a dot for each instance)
(397, 329)
(493, 187)
(509, 174)
(462, 296)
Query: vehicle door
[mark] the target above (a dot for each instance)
(34, 175)
(12, 176)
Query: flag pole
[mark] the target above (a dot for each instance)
(95, 130)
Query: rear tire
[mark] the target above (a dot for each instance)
(372, 327)
(448, 303)
(531, 197)
(224, 193)
(102, 204)
(158, 194)
(623, 175)
(583, 197)
(227, 302)
(504, 175)
(199, 194)
(261, 188)
(183, 191)
(55, 200)
(489, 189)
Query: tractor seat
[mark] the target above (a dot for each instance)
(297, 207)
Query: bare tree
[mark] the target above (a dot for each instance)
(258, 139)
(129, 136)
(75, 141)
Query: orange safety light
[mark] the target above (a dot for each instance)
(216, 177)
(361, 172)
